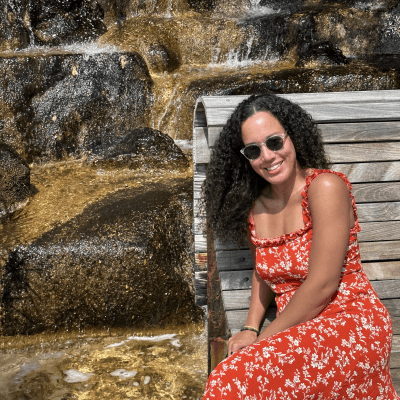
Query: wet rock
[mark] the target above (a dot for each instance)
(268, 37)
(64, 22)
(324, 53)
(143, 147)
(153, 38)
(63, 106)
(13, 32)
(202, 5)
(125, 261)
(284, 6)
(14, 181)
(389, 42)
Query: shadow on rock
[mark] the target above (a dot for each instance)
(142, 148)
(125, 260)
(14, 181)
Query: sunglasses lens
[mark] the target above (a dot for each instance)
(274, 143)
(252, 151)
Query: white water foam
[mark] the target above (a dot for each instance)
(123, 373)
(74, 376)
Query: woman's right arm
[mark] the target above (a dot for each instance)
(261, 297)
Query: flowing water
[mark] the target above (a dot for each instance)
(168, 363)
(101, 363)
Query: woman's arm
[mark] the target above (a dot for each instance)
(261, 297)
(330, 206)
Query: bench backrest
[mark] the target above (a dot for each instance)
(361, 133)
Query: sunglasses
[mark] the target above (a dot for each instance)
(253, 150)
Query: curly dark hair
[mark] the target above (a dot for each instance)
(231, 185)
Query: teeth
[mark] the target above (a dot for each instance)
(274, 167)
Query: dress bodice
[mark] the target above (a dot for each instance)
(282, 262)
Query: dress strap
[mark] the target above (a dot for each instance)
(306, 210)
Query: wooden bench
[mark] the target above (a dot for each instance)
(361, 133)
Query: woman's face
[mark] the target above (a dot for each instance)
(274, 166)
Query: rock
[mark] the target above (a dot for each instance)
(324, 53)
(14, 181)
(125, 261)
(63, 106)
(66, 21)
(143, 147)
(267, 37)
(202, 5)
(13, 32)
(389, 42)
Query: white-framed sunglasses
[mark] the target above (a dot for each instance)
(274, 143)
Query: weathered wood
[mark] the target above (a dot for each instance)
(374, 251)
(370, 172)
(384, 211)
(395, 359)
(358, 152)
(237, 319)
(379, 231)
(360, 132)
(340, 133)
(240, 300)
(376, 192)
(234, 260)
(241, 279)
(201, 153)
(383, 270)
(324, 107)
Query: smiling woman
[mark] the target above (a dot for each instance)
(332, 335)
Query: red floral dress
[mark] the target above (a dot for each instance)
(341, 354)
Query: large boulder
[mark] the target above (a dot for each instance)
(64, 106)
(14, 181)
(141, 148)
(124, 261)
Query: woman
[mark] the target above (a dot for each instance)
(332, 336)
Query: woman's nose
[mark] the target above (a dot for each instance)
(266, 153)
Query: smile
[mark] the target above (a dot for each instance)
(274, 166)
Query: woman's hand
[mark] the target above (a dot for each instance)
(240, 340)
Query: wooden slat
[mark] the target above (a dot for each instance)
(241, 280)
(388, 289)
(395, 359)
(376, 192)
(385, 211)
(360, 132)
(370, 171)
(238, 279)
(382, 131)
(237, 319)
(370, 251)
(379, 231)
(382, 96)
(375, 251)
(383, 270)
(325, 112)
(240, 300)
(334, 106)
(234, 260)
(358, 152)
(201, 152)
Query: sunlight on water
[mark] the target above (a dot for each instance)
(157, 364)
(90, 48)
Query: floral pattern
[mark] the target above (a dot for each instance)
(341, 354)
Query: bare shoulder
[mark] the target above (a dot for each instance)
(328, 189)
